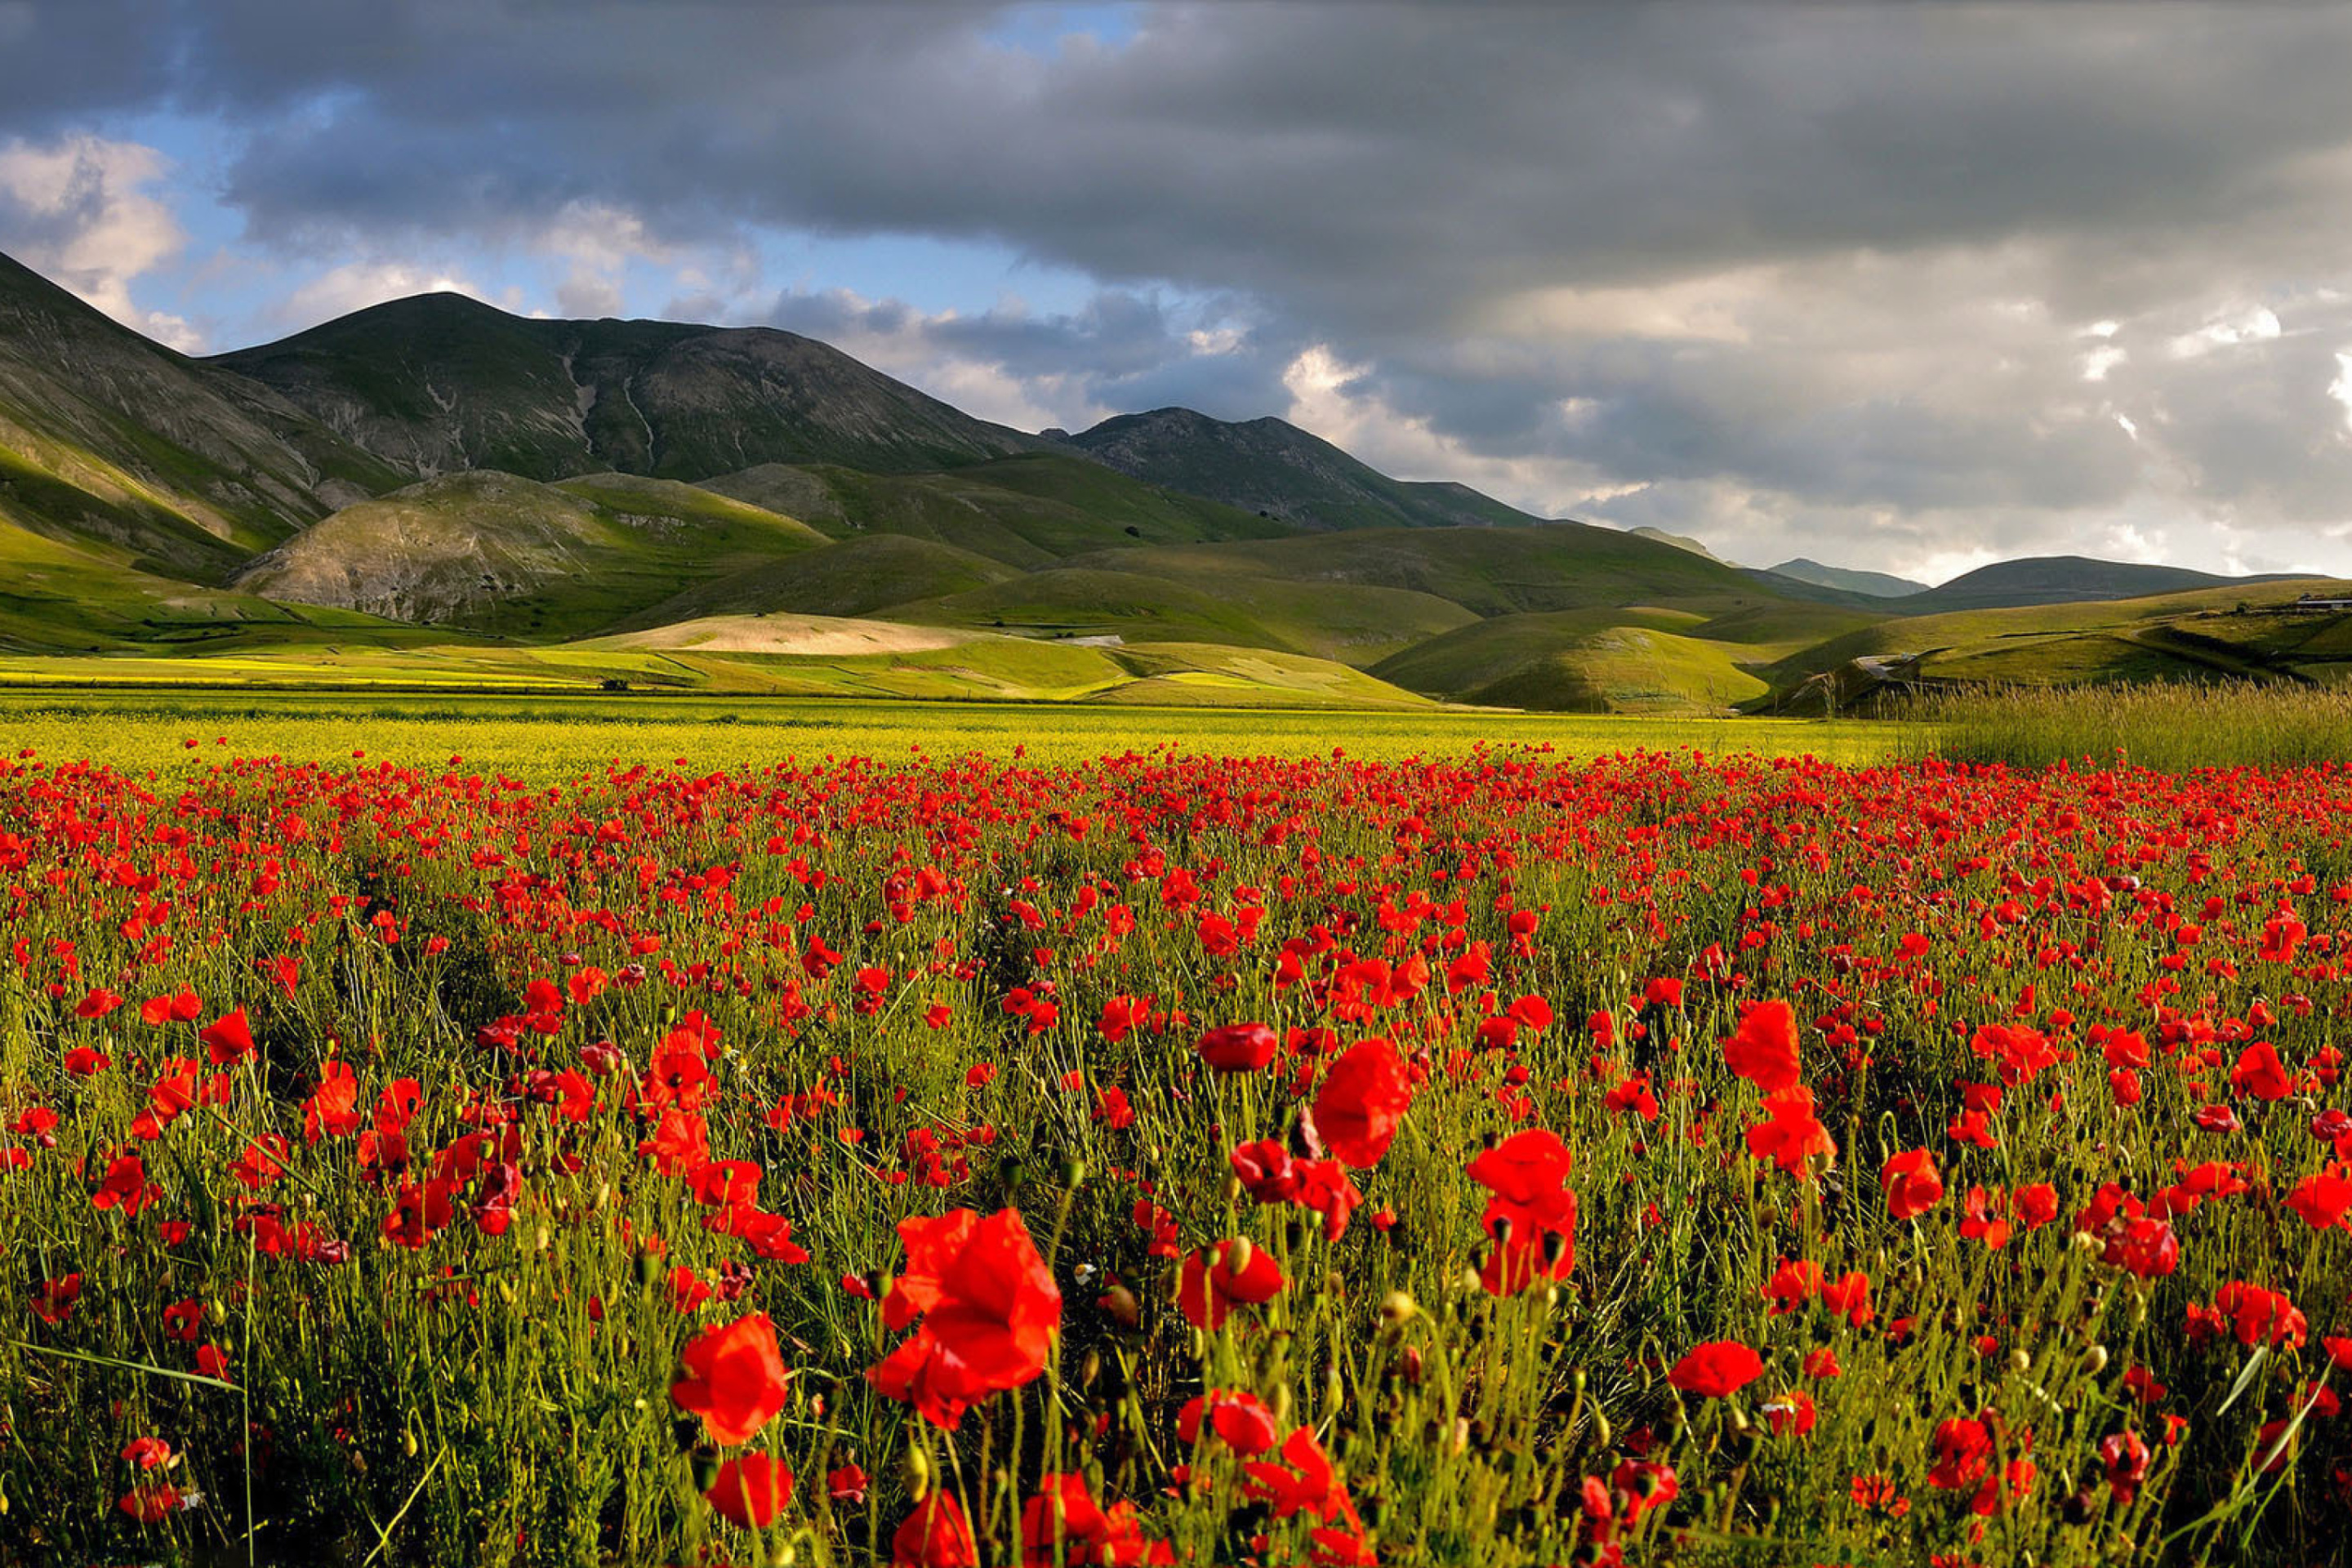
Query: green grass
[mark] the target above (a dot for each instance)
(2170, 727)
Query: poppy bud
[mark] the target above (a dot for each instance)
(1120, 1303)
(1073, 1172)
(1397, 1306)
(706, 1469)
(648, 1268)
(1009, 1172)
(1238, 1253)
(1089, 1369)
(408, 1443)
(2094, 1360)
(2021, 1360)
(1411, 1366)
(917, 1470)
(1600, 1429)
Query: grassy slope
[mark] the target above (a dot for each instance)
(1025, 512)
(1353, 625)
(809, 655)
(853, 577)
(492, 553)
(1489, 571)
(1590, 661)
(2176, 635)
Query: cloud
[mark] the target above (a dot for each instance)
(1864, 279)
(1121, 351)
(77, 210)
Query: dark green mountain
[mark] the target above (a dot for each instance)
(1878, 584)
(441, 383)
(1269, 466)
(113, 445)
(2058, 580)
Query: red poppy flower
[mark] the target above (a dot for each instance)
(937, 1534)
(1531, 1214)
(2321, 1199)
(988, 1306)
(1363, 1101)
(1764, 1049)
(2260, 1074)
(735, 1379)
(1238, 1048)
(227, 1040)
(1717, 1369)
(750, 1491)
(1791, 1133)
(1213, 1283)
(1238, 1417)
(1912, 1185)
(1963, 1451)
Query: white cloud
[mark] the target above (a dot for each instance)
(356, 285)
(77, 211)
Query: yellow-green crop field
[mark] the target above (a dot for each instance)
(548, 738)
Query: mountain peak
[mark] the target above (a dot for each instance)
(1271, 467)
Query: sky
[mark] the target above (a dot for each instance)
(1904, 286)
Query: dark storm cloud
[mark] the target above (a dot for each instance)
(1833, 261)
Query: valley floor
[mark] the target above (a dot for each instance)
(545, 738)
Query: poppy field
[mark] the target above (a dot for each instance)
(1646, 1159)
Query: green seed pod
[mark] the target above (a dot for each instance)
(1073, 1172)
(706, 1469)
(917, 1472)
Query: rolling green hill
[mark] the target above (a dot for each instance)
(1348, 623)
(2236, 632)
(853, 577)
(1486, 570)
(1582, 661)
(1025, 512)
(492, 553)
